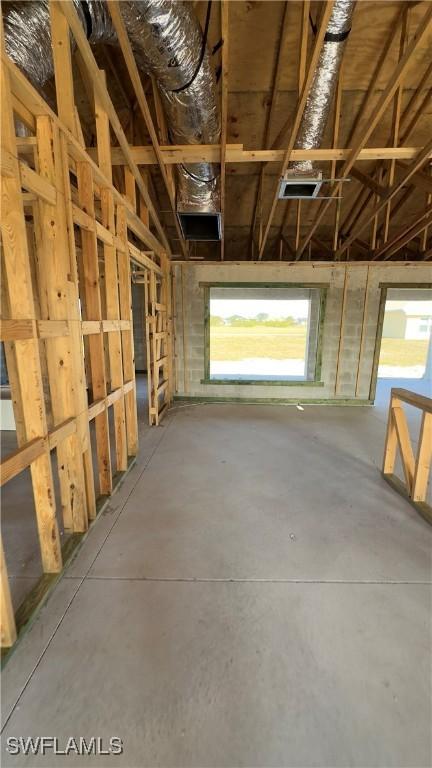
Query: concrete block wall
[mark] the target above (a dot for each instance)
(349, 333)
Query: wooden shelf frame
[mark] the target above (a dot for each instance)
(69, 238)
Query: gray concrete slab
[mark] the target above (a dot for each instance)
(254, 595)
(237, 674)
(33, 644)
(268, 492)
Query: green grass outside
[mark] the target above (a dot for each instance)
(232, 343)
(237, 343)
(403, 352)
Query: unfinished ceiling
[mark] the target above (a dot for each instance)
(269, 50)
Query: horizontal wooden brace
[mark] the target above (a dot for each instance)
(89, 224)
(20, 459)
(141, 258)
(90, 327)
(100, 405)
(162, 387)
(32, 182)
(16, 330)
(201, 153)
(29, 179)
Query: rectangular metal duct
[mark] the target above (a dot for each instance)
(200, 226)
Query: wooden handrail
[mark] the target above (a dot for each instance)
(412, 398)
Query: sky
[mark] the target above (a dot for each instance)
(276, 308)
(411, 307)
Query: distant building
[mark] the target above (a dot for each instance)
(407, 323)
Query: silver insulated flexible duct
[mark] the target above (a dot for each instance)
(168, 43)
(318, 103)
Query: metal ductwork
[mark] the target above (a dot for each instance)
(303, 180)
(168, 43)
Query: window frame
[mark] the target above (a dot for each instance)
(315, 382)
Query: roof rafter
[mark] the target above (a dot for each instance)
(319, 40)
(270, 117)
(141, 98)
(366, 129)
(420, 160)
(224, 5)
(68, 9)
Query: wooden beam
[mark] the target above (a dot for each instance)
(336, 126)
(304, 38)
(30, 99)
(53, 267)
(397, 109)
(299, 114)
(366, 129)
(92, 310)
(60, 44)
(403, 237)
(125, 305)
(369, 182)
(420, 160)
(141, 98)
(224, 9)
(210, 153)
(67, 7)
(111, 283)
(270, 115)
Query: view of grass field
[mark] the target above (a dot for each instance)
(403, 353)
(262, 340)
(257, 341)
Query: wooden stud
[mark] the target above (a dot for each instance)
(404, 442)
(111, 282)
(8, 631)
(125, 304)
(28, 372)
(93, 311)
(423, 459)
(60, 43)
(53, 268)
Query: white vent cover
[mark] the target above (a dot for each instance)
(298, 186)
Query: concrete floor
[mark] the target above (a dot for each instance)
(255, 595)
(19, 531)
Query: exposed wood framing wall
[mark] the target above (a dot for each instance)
(69, 237)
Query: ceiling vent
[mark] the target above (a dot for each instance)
(200, 226)
(300, 186)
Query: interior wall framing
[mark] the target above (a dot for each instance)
(69, 238)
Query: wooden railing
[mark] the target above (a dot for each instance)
(416, 467)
